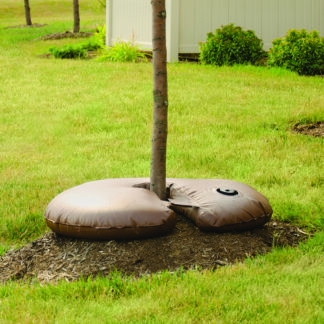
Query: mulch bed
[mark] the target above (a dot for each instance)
(66, 34)
(314, 129)
(52, 258)
(26, 26)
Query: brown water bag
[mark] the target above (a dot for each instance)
(115, 209)
(100, 210)
(219, 205)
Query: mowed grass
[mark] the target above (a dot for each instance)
(285, 286)
(66, 122)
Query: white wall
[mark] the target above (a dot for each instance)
(129, 20)
(188, 21)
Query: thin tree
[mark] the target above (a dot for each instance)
(76, 16)
(27, 13)
(160, 101)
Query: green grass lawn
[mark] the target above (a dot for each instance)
(65, 122)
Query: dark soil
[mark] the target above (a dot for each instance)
(52, 257)
(66, 34)
(27, 26)
(314, 129)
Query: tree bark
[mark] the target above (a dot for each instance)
(76, 16)
(27, 13)
(160, 101)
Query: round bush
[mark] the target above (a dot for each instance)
(299, 51)
(231, 45)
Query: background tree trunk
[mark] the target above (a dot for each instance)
(27, 13)
(76, 16)
(160, 101)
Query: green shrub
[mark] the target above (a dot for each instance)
(231, 45)
(92, 45)
(299, 51)
(100, 35)
(123, 52)
(69, 52)
(75, 51)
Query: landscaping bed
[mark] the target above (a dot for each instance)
(66, 34)
(26, 26)
(52, 258)
(313, 129)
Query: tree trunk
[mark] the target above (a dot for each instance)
(160, 101)
(76, 16)
(27, 13)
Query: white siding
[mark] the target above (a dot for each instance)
(130, 21)
(190, 20)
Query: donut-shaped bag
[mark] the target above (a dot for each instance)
(115, 209)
